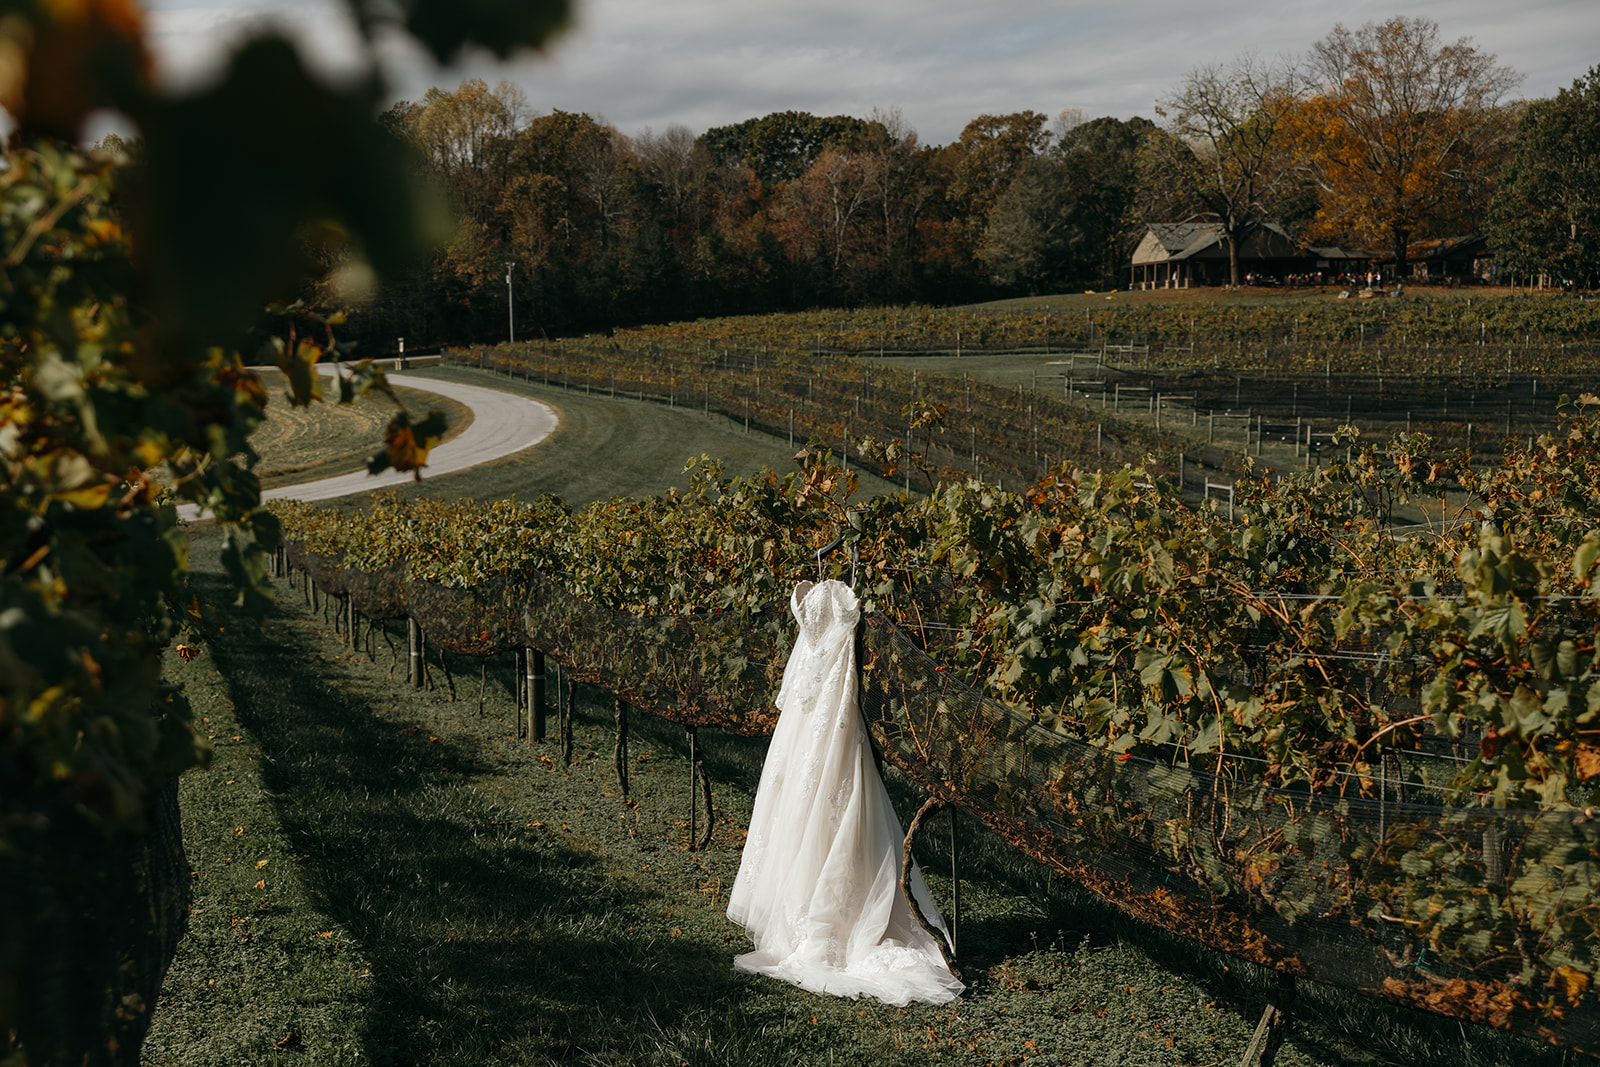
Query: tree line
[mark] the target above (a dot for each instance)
(1378, 138)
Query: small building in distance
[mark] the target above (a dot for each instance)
(1177, 255)
(1333, 265)
(1463, 260)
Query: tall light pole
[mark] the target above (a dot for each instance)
(511, 307)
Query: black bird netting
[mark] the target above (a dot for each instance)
(95, 918)
(1370, 883)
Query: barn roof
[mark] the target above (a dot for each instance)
(1167, 242)
(1180, 240)
(1445, 247)
(1331, 252)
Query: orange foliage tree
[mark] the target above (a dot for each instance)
(1403, 131)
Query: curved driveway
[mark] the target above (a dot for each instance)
(502, 424)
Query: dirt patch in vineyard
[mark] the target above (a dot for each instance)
(322, 440)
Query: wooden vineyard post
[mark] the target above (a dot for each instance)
(414, 666)
(1263, 1047)
(619, 756)
(519, 668)
(536, 696)
(699, 792)
(564, 695)
(955, 880)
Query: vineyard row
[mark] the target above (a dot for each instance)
(1270, 875)
(904, 425)
(1271, 733)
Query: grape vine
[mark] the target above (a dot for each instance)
(1394, 705)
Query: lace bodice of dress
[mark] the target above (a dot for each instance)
(821, 666)
(823, 608)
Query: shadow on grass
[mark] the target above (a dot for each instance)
(1017, 917)
(487, 935)
(495, 940)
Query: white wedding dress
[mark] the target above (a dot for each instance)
(818, 888)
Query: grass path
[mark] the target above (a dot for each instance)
(385, 876)
(610, 446)
(321, 440)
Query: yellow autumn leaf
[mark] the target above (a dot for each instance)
(1574, 980)
(87, 498)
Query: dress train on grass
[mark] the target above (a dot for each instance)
(818, 888)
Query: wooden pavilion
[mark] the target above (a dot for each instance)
(1177, 255)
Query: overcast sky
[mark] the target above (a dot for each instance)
(703, 63)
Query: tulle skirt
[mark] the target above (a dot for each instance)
(818, 888)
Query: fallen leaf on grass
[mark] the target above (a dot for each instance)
(260, 864)
(260, 885)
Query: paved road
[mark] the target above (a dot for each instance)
(502, 424)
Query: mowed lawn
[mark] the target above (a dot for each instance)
(322, 440)
(604, 447)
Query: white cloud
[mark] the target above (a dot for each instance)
(191, 40)
(709, 62)
(702, 63)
